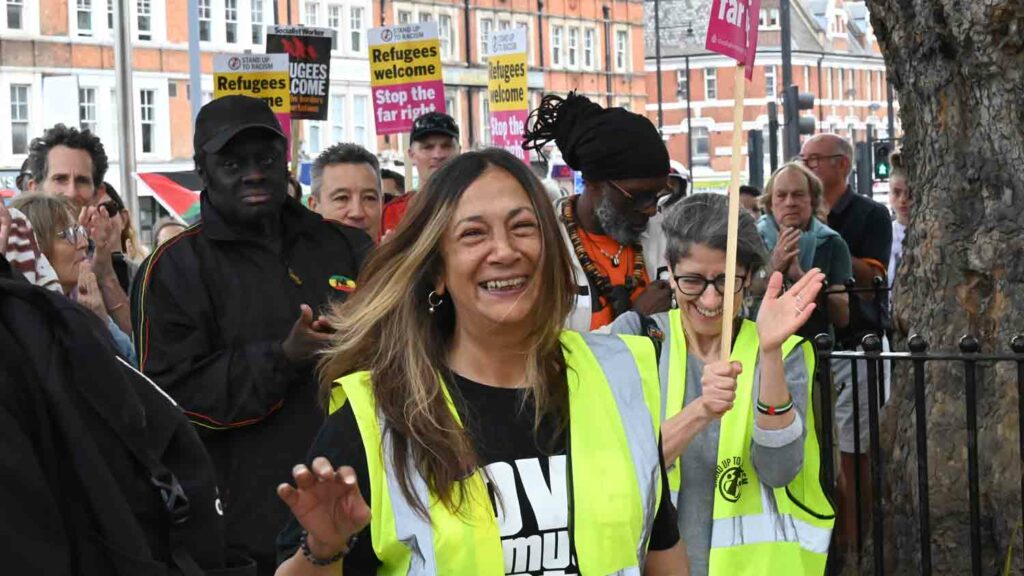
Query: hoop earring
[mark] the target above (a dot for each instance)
(431, 301)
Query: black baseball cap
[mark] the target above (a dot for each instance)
(222, 119)
(434, 123)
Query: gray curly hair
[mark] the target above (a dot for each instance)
(704, 219)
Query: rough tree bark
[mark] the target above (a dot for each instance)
(958, 67)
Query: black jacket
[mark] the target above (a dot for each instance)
(210, 310)
(84, 437)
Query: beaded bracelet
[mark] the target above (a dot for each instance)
(308, 554)
(774, 410)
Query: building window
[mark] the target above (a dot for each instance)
(311, 14)
(144, 19)
(257, 21)
(485, 122)
(621, 49)
(710, 84)
(867, 84)
(15, 14)
(19, 119)
(588, 48)
(426, 17)
(769, 82)
(574, 46)
(314, 138)
(828, 85)
(842, 91)
(356, 28)
(87, 109)
(85, 17)
(359, 120)
(110, 15)
(504, 25)
(683, 83)
(701, 145)
(404, 17)
(525, 26)
(147, 120)
(334, 23)
(231, 21)
(773, 18)
(807, 79)
(205, 17)
(851, 82)
(444, 30)
(556, 45)
(486, 27)
(337, 118)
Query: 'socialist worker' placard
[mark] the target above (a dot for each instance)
(506, 90)
(405, 73)
(263, 76)
(309, 57)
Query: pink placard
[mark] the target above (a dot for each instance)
(507, 128)
(397, 105)
(732, 31)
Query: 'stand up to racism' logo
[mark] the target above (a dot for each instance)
(386, 35)
(234, 63)
(730, 478)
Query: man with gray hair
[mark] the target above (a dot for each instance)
(346, 187)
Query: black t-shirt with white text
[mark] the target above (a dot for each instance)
(530, 476)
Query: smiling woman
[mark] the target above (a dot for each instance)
(450, 359)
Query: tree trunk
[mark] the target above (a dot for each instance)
(959, 70)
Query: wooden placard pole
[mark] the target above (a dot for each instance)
(403, 145)
(734, 213)
(295, 148)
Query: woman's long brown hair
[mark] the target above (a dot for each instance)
(385, 328)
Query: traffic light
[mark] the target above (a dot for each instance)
(793, 101)
(881, 152)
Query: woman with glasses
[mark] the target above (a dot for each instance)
(65, 244)
(799, 241)
(738, 434)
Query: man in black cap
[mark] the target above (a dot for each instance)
(613, 229)
(434, 140)
(227, 315)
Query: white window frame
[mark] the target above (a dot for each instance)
(360, 122)
(314, 144)
(161, 121)
(356, 29)
(334, 21)
(572, 59)
(485, 25)
(315, 13)
(143, 122)
(404, 16)
(867, 86)
(699, 158)
(807, 79)
(589, 51)
(557, 45)
(773, 19)
(26, 120)
(257, 36)
(425, 17)
(230, 19)
(504, 24)
(525, 24)
(622, 51)
(148, 35)
(485, 122)
(711, 84)
(29, 17)
(336, 116)
(683, 85)
(771, 82)
(445, 33)
(205, 11)
(77, 13)
(87, 117)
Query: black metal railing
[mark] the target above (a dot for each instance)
(917, 355)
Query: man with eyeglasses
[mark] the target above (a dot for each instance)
(613, 229)
(434, 140)
(866, 227)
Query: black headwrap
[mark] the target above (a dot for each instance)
(602, 143)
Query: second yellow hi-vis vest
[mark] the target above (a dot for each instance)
(614, 479)
(756, 530)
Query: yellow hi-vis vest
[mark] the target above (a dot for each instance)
(614, 481)
(756, 530)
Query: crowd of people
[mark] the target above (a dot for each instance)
(466, 378)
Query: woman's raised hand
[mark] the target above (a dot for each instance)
(781, 315)
(327, 503)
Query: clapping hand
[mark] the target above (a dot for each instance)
(781, 315)
(787, 253)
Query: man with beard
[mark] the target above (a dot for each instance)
(612, 229)
(227, 315)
